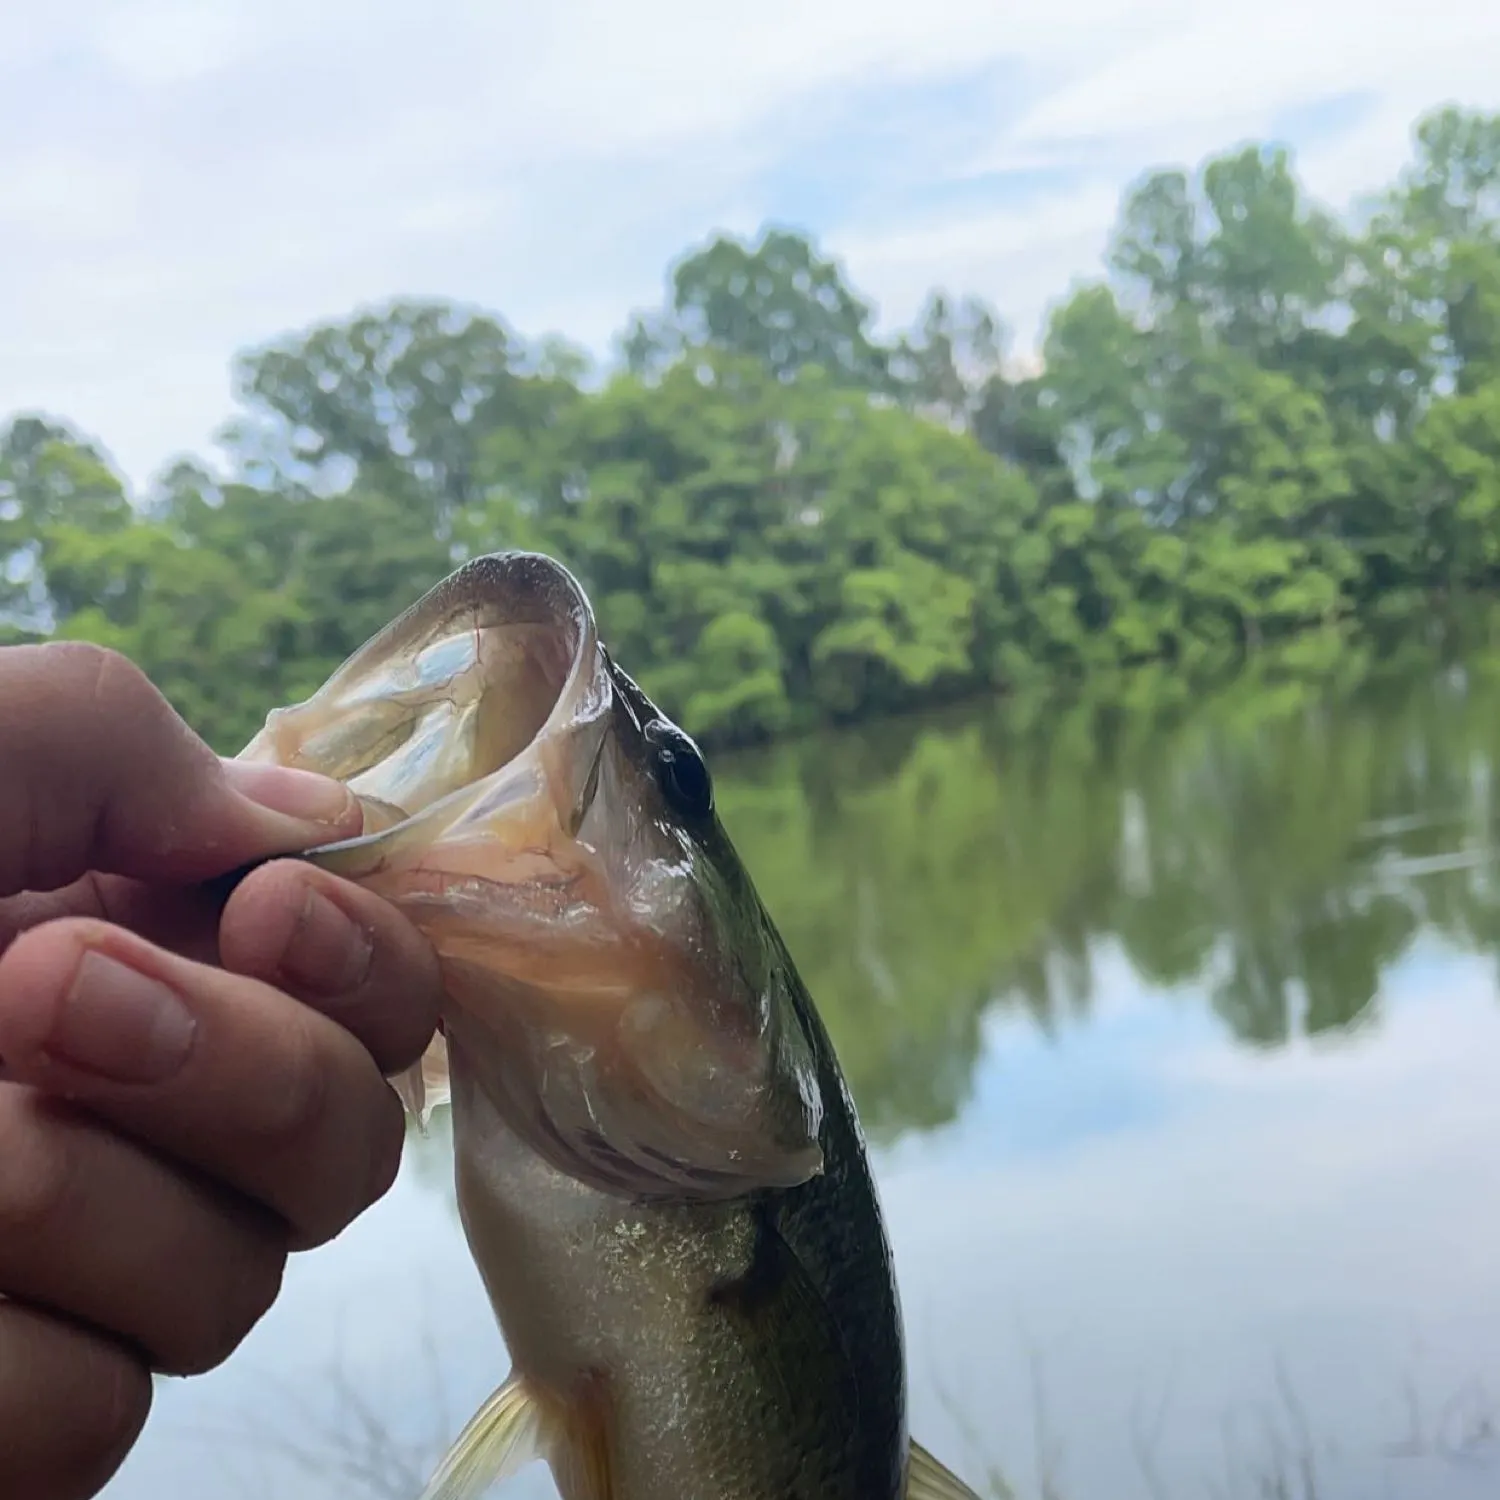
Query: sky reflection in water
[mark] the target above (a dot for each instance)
(1177, 1036)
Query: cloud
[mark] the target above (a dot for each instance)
(181, 178)
(1023, 258)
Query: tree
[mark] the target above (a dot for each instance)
(1259, 439)
(400, 399)
(776, 301)
(949, 361)
(50, 477)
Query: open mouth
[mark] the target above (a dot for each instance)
(594, 988)
(457, 712)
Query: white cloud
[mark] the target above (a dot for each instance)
(174, 41)
(1022, 258)
(178, 179)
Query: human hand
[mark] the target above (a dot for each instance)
(187, 1091)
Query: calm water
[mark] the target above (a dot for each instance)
(1177, 1038)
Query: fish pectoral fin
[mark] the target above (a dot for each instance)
(927, 1479)
(580, 1460)
(510, 1430)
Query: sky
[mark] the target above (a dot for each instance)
(182, 179)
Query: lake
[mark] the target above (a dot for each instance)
(1174, 1025)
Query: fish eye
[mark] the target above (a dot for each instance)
(681, 770)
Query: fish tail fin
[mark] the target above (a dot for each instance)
(515, 1426)
(927, 1479)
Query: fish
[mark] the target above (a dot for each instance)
(659, 1168)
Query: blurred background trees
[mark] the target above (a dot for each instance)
(1263, 425)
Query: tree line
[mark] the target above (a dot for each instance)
(1265, 426)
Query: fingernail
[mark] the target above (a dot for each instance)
(121, 1024)
(294, 794)
(327, 951)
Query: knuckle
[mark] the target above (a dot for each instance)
(72, 1404)
(354, 1163)
(98, 676)
(34, 1165)
(260, 918)
(113, 1419)
(252, 1290)
(243, 1288)
(296, 1097)
(86, 725)
(387, 1141)
(84, 663)
(421, 991)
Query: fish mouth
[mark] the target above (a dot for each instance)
(485, 702)
(606, 991)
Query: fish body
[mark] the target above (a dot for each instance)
(750, 1348)
(660, 1172)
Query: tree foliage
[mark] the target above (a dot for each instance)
(1263, 423)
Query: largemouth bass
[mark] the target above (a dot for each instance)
(660, 1172)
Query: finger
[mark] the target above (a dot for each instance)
(72, 1404)
(341, 949)
(216, 1069)
(99, 1229)
(182, 918)
(101, 774)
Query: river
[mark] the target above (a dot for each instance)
(1174, 1025)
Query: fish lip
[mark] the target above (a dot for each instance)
(575, 710)
(590, 792)
(490, 574)
(581, 706)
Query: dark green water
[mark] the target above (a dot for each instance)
(1276, 852)
(1176, 1031)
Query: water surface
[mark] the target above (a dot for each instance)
(1176, 1034)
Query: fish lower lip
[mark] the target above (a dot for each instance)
(590, 784)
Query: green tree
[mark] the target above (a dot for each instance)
(401, 399)
(1264, 438)
(776, 301)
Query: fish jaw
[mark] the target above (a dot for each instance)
(603, 1038)
(459, 703)
(605, 975)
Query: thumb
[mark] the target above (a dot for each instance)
(98, 772)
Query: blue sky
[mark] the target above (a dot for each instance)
(181, 178)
